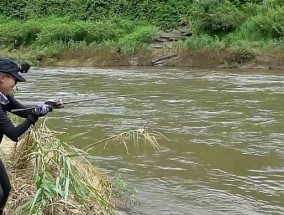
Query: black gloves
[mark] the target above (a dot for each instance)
(41, 109)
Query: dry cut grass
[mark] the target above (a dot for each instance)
(50, 177)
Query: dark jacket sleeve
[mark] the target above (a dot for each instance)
(14, 104)
(10, 130)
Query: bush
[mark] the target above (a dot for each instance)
(102, 30)
(201, 41)
(273, 4)
(19, 33)
(11, 32)
(215, 17)
(248, 31)
(15, 8)
(242, 55)
(51, 33)
(143, 34)
(271, 25)
(62, 29)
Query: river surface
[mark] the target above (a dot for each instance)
(226, 154)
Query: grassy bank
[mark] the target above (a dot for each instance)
(219, 33)
(53, 46)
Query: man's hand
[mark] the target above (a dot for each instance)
(41, 109)
(57, 103)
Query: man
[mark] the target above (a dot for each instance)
(9, 76)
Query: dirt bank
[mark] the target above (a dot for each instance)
(202, 58)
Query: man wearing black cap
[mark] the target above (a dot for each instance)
(9, 76)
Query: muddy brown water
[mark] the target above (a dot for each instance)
(227, 130)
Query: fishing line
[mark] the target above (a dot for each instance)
(92, 99)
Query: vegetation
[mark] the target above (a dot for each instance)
(44, 28)
(51, 177)
(34, 30)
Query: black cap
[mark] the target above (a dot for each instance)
(11, 68)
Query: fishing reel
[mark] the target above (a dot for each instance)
(57, 103)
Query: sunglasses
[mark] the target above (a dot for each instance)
(11, 76)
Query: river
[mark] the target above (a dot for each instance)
(226, 131)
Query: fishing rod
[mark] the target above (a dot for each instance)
(57, 105)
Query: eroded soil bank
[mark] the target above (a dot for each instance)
(202, 58)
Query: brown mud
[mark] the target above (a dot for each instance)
(201, 58)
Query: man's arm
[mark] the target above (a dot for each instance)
(10, 130)
(14, 104)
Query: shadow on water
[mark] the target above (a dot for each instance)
(226, 153)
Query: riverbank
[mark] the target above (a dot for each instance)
(202, 58)
(215, 34)
(169, 57)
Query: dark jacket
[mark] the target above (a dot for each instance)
(7, 127)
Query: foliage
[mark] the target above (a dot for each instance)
(248, 31)
(259, 27)
(271, 25)
(19, 33)
(15, 8)
(250, 9)
(52, 31)
(167, 13)
(130, 25)
(144, 34)
(201, 41)
(243, 54)
(242, 2)
(215, 16)
(273, 4)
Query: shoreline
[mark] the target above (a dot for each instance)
(203, 58)
(166, 57)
